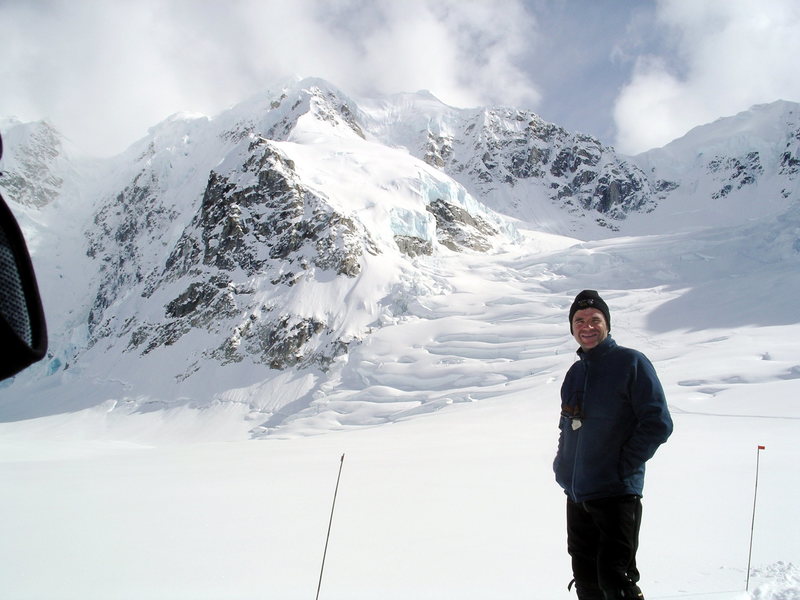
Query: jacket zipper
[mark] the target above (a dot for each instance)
(578, 431)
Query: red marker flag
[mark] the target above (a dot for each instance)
(762, 447)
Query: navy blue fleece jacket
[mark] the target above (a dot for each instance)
(614, 416)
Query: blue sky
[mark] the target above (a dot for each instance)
(636, 74)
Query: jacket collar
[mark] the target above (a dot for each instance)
(599, 350)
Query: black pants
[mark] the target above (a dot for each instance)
(602, 539)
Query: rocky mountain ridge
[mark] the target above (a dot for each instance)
(494, 151)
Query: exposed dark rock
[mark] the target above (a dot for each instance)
(457, 229)
(257, 220)
(508, 146)
(740, 171)
(413, 246)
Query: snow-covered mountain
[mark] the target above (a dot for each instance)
(731, 171)
(243, 259)
(34, 172)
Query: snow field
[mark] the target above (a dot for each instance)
(459, 503)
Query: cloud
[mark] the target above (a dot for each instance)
(103, 72)
(462, 51)
(727, 56)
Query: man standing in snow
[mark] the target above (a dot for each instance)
(613, 418)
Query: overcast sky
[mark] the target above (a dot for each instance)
(635, 73)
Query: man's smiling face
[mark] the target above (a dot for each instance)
(589, 327)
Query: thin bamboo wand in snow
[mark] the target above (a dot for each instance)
(330, 523)
(753, 522)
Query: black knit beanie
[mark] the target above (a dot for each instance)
(589, 299)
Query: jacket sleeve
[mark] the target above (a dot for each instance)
(653, 421)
